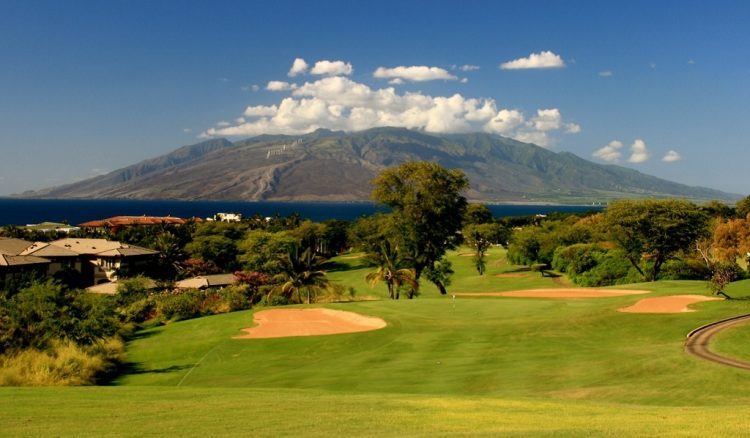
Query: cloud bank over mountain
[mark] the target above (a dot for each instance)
(338, 102)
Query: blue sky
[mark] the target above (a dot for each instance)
(88, 87)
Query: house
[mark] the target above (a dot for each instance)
(111, 288)
(51, 227)
(97, 260)
(228, 217)
(117, 223)
(206, 281)
(13, 263)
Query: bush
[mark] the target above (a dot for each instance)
(576, 259)
(64, 363)
(591, 265)
(45, 312)
(688, 269)
(179, 305)
(139, 311)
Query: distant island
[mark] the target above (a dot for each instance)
(337, 166)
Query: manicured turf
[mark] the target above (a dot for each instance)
(209, 412)
(479, 366)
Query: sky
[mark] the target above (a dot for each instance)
(89, 87)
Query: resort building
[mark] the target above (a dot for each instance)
(227, 217)
(206, 281)
(97, 260)
(116, 223)
(12, 263)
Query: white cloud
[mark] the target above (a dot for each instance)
(299, 66)
(337, 102)
(239, 120)
(414, 73)
(464, 80)
(332, 68)
(260, 111)
(606, 73)
(223, 124)
(547, 120)
(396, 81)
(691, 62)
(672, 156)
(639, 152)
(544, 59)
(468, 67)
(187, 130)
(280, 86)
(572, 128)
(609, 153)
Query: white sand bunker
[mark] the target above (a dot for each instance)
(281, 323)
(668, 304)
(559, 293)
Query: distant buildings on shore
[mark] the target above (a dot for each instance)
(117, 223)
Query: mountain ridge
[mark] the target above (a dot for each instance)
(336, 166)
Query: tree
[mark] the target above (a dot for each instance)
(654, 231)
(302, 273)
(389, 270)
(217, 249)
(427, 209)
(265, 251)
(742, 208)
(480, 237)
(478, 214)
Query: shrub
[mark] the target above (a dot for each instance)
(64, 363)
(575, 259)
(139, 311)
(179, 305)
(685, 269)
(132, 289)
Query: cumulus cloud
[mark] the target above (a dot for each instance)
(609, 153)
(338, 102)
(187, 130)
(468, 67)
(545, 59)
(332, 68)
(280, 86)
(299, 66)
(572, 128)
(464, 81)
(672, 156)
(260, 111)
(639, 153)
(414, 73)
(606, 73)
(396, 81)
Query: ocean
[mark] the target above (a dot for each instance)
(30, 211)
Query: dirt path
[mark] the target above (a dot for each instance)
(698, 340)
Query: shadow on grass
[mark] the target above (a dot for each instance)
(134, 368)
(335, 266)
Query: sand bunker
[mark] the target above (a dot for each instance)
(511, 275)
(559, 293)
(280, 323)
(668, 304)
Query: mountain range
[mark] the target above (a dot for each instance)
(337, 166)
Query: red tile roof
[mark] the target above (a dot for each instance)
(124, 221)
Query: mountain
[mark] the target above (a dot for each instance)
(338, 166)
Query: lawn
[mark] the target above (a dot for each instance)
(473, 366)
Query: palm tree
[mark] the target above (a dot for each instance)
(302, 273)
(388, 261)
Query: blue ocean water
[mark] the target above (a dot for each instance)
(28, 211)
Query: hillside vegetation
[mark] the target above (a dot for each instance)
(327, 165)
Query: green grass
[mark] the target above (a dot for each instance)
(486, 366)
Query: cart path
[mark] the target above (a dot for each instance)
(698, 340)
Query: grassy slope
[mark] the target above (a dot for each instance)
(491, 365)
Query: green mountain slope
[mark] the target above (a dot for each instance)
(327, 165)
